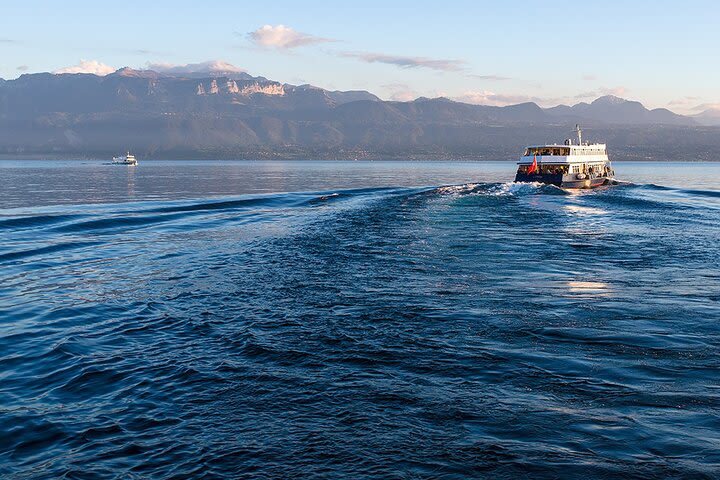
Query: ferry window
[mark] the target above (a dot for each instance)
(565, 151)
(527, 152)
(556, 151)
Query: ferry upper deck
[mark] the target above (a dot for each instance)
(591, 153)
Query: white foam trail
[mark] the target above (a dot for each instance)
(484, 189)
(456, 189)
(512, 188)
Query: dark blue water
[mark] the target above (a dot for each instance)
(179, 321)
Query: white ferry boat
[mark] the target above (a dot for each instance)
(581, 165)
(128, 159)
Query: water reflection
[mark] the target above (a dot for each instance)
(131, 181)
(585, 289)
(580, 209)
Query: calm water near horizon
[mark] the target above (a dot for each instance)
(31, 183)
(293, 319)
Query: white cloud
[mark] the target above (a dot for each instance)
(211, 66)
(445, 65)
(684, 101)
(616, 91)
(23, 68)
(400, 92)
(404, 96)
(282, 37)
(707, 106)
(487, 97)
(88, 66)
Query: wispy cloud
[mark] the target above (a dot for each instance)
(445, 65)
(683, 101)
(23, 68)
(487, 97)
(495, 78)
(88, 66)
(211, 66)
(283, 38)
(616, 91)
(706, 106)
(7, 40)
(589, 78)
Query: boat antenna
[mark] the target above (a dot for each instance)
(579, 133)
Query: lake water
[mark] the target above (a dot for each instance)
(357, 319)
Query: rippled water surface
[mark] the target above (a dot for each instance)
(375, 320)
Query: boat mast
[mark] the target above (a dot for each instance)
(579, 134)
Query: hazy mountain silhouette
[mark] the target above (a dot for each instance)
(615, 110)
(233, 114)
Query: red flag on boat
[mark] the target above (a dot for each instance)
(533, 167)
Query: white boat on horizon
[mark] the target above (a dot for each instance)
(128, 159)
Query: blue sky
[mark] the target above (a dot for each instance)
(662, 53)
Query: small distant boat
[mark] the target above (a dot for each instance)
(581, 165)
(128, 159)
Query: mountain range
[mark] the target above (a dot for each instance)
(235, 115)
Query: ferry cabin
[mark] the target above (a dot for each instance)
(568, 166)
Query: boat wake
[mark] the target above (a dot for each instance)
(162, 338)
(501, 189)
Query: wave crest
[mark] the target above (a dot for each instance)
(501, 189)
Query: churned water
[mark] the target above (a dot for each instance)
(380, 320)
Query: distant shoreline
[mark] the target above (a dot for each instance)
(48, 158)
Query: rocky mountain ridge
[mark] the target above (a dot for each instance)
(236, 115)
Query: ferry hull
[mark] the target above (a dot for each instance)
(563, 181)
